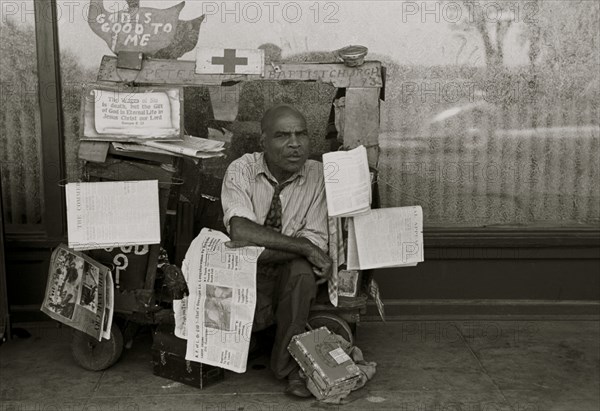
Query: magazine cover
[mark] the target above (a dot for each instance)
(76, 292)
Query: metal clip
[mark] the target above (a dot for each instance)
(276, 67)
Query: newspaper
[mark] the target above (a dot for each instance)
(216, 318)
(195, 147)
(79, 293)
(386, 237)
(112, 214)
(141, 148)
(347, 182)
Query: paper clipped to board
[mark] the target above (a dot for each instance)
(347, 182)
(386, 237)
(112, 214)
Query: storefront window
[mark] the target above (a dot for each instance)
(505, 131)
(20, 130)
(490, 115)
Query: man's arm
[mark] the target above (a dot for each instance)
(279, 247)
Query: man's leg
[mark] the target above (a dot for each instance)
(295, 292)
(267, 276)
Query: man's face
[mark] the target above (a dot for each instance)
(286, 144)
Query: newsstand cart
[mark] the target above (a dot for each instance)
(141, 296)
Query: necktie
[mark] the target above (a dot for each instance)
(273, 219)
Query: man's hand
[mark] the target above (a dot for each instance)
(239, 244)
(323, 265)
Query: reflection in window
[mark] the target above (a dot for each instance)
(498, 143)
(490, 115)
(20, 131)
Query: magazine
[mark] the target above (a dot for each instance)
(79, 293)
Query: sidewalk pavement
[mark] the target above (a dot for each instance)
(476, 365)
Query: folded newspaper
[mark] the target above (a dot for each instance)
(79, 293)
(386, 237)
(347, 182)
(191, 146)
(216, 318)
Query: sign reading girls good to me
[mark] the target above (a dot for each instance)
(131, 115)
(137, 29)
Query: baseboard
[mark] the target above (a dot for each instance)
(436, 309)
(406, 310)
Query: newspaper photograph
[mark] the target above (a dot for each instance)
(216, 318)
(76, 292)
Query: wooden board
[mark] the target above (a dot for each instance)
(183, 73)
(361, 121)
(4, 313)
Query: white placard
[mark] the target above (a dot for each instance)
(110, 115)
(122, 111)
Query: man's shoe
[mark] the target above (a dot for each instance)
(296, 386)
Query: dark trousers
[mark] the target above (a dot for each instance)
(285, 293)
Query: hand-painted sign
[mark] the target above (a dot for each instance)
(144, 29)
(230, 61)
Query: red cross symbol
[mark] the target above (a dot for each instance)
(229, 61)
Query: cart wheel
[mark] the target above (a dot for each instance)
(95, 355)
(334, 323)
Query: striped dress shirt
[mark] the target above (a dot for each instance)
(247, 192)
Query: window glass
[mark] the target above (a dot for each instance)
(491, 107)
(20, 131)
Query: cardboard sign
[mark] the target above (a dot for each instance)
(132, 114)
(142, 29)
(230, 61)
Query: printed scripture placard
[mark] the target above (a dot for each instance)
(132, 113)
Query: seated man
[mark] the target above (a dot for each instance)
(276, 199)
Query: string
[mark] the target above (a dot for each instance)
(175, 182)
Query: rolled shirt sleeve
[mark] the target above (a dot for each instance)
(316, 227)
(235, 193)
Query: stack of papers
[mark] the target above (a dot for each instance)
(347, 182)
(112, 214)
(195, 147)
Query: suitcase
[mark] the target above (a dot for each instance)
(329, 370)
(168, 359)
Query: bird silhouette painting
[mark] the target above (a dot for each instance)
(157, 33)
